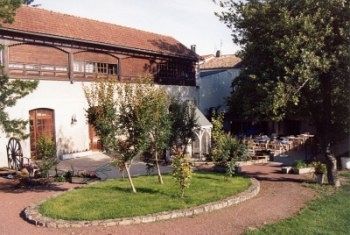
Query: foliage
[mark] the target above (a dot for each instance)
(184, 123)
(226, 150)
(113, 199)
(296, 63)
(12, 90)
(129, 119)
(298, 164)
(182, 172)
(153, 112)
(328, 214)
(217, 132)
(46, 155)
(102, 111)
(8, 10)
(320, 168)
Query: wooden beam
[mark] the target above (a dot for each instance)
(71, 66)
(5, 59)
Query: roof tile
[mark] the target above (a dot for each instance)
(36, 20)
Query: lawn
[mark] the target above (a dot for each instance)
(329, 214)
(113, 198)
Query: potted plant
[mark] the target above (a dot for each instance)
(300, 167)
(320, 171)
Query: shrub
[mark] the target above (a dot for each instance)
(298, 164)
(320, 168)
(46, 155)
(226, 150)
(182, 172)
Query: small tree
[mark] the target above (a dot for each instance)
(183, 124)
(46, 155)
(156, 121)
(226, 150)
(102, 111)
(182, 172)
(135, 138)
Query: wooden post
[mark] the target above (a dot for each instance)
(71, 66)
(5, 59)
(119, 70)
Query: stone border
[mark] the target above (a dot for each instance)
(32, 215)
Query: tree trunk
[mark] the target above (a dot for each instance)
(326, 130)
(127, 168)
(332, 173)
(160, 178)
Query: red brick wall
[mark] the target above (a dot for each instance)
(95, 57)
(34, 54)
(135, 67)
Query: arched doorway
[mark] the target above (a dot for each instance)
(41, 123)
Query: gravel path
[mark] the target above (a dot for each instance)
(281, 196)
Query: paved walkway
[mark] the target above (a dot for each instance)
(101, 164)
(281, 196)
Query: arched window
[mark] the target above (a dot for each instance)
(41, 123)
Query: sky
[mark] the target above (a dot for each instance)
(189, 21)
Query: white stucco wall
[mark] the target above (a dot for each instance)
(66, 100)
(215, 87)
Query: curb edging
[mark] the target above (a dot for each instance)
(33, 216)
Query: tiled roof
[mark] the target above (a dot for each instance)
(40, 21)
(221, 62)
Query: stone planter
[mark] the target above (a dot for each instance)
(345, 163)
(320, 178)
(79, 180)
(305, 170)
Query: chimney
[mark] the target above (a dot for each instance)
(193, 48)
(218, 53)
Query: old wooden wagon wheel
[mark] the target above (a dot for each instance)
(14, 154)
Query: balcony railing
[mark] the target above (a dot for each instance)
(41, 70)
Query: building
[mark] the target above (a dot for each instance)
(64, 52)
(217, 73)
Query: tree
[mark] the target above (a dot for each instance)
(11, 90)
(296, 62)
(183, 124)
(155, 112)
(112, 113)
(102, 111)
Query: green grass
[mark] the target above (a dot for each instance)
(113, 198)
(329, 214)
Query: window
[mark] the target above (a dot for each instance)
(78, 67)
(89, 67)
(102, 68)
(173, 69)
(92, 67)
(112, 69)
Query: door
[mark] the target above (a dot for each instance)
(41, 123)
(95, 143)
